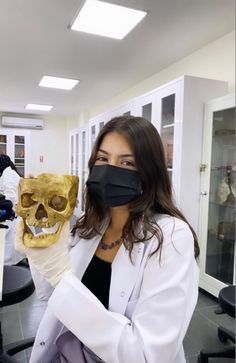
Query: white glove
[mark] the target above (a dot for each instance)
(52, 262)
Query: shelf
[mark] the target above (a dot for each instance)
(222, 205)
(224, 132)
(223, 239)
(168, 126)
(224, 168)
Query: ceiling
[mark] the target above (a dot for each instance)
(35, 40)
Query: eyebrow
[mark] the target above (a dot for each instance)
(123, 155)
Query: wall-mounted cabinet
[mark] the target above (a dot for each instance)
(218, 196)
(16, 144)
(177, 111)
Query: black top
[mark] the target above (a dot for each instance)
(97, 278)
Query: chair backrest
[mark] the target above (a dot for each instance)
(17, 285)
(227, 300)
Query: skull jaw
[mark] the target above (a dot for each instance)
(41, 241)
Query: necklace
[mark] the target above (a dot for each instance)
(105, 246)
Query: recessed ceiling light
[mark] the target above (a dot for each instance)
(34, 106)
(58, 82)
(106, 19)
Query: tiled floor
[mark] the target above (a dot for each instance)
(21, 321)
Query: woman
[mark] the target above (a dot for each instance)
(9, 180)
(129, 288)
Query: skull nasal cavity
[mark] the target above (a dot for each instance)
(41, 212)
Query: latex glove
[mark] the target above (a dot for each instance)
(52, 262)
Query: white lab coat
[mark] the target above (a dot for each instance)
(150, 303)
(9, 182)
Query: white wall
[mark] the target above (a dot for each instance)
(73, 123)
(53, 145)
(215, 61)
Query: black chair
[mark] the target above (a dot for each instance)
(227, 304)
(17, 286)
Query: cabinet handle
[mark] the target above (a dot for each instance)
(203, 193)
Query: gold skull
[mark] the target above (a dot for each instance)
(46, 203)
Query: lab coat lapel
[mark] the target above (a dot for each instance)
(123, 277)
(83, 251)
(82, 254)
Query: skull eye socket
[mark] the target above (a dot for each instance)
(27, 200)
(58, 203)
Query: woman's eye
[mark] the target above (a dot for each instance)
(101, 159)
(128, 163)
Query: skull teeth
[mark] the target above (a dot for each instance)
(37, 231)
(52, 230)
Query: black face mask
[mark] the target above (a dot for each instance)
(114, 186)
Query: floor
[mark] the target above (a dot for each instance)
(21, 321)
(202, 332)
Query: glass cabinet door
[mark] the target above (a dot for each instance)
(74, 153)
(147, 111)
(19, 160)
(93, 136)
(84, 169)
(146, 106)
(16, 144)
(101, 124)
(222, 192)
(167, 128)
(93, 133)
(3, 144)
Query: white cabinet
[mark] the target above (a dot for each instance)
(16, 144)
(177, 110)
(218, 193)
(180, 119)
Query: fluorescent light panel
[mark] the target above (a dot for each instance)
(58, 82)
(34, 106)
(106, 19)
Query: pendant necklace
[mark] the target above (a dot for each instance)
(106, 246)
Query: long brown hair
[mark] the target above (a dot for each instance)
(156, 198)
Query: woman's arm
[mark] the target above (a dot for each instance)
(159, 322)
(47, 264)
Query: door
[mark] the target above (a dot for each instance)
(218, 191)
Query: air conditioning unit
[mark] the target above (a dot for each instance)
(22, 122)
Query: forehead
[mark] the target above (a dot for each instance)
(114, 142)
(45, 184)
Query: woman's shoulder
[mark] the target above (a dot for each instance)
(174, 230)
(166, 221)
